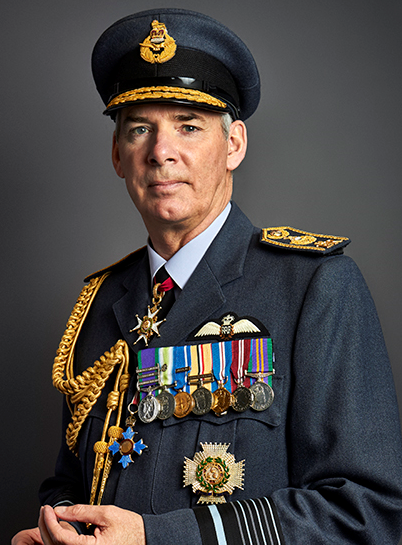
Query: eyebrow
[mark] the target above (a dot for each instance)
(189, 117)
(135, 119)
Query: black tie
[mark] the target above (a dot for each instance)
(162, 277)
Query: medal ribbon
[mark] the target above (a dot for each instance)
(167, 285)
(164, 360)
(167, 365)
(261, 358)
(147, 371)
(241, 351)
(172, 363)
(203, 364)
(222, 361)
(182, 364)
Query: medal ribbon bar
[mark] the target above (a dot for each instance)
(244, 359)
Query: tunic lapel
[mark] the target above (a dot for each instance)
(135, 301)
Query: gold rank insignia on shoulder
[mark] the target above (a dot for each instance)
(213, 473)
(295, 239)
(158, 47)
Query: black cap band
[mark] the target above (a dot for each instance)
(203, 73)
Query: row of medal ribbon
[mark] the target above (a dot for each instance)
(179, 380)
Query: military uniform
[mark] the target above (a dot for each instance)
(322, 463)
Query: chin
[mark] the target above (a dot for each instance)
(170, 214)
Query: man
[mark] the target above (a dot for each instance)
(253, 372)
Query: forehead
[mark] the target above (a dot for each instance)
(154, 112)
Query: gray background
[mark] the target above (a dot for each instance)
(324, 156)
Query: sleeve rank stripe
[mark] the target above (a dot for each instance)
(245, 522)
(231, 522)
(275, 521)
(219, 529)
(262, 528)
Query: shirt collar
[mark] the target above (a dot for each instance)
(183, 263)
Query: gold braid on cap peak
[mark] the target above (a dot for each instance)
(166, 92)
(82, 391)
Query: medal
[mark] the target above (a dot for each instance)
(167, 405)
(262, 367)
(241, 396)
(149, 323)
(125, 445)
(223, 400)
(166, 399)
(148, 380)
(201, 361)
(184, 404)
(204, 401)
(148, 408)
(222, 359)
(263, 395)
(213, 473)
(242, 399)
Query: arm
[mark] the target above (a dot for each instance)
(345, 435)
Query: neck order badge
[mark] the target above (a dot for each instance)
(162, 290)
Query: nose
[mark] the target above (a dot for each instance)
(163, 148)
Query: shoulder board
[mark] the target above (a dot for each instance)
(289, 238)
(121, 264)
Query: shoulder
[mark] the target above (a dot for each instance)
(119, 265)
(296, 240)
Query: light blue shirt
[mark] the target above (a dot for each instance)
(183, 263)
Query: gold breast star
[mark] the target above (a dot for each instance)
(213, 473)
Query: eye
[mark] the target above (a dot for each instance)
(190, 128)
(137, 131)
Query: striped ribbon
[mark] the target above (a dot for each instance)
(225, 360)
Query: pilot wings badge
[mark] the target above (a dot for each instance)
(229, 326)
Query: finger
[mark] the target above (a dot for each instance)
(43, 528)
(27, 537)
(93, 514)
(54, 533)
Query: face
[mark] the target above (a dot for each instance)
(177, 164)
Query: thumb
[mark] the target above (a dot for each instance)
(93, 514)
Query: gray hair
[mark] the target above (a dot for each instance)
(226, 121)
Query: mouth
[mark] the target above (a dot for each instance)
(165, 184)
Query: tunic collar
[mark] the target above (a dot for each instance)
(183, 263)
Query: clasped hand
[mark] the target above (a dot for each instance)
(112, 525)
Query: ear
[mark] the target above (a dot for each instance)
(116, 157)
(237, 144)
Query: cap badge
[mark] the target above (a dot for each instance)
(213, 473)
(158, 47)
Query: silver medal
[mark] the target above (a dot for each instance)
(167, 405)
(148, 409)
(263, 395)
(204, 401)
